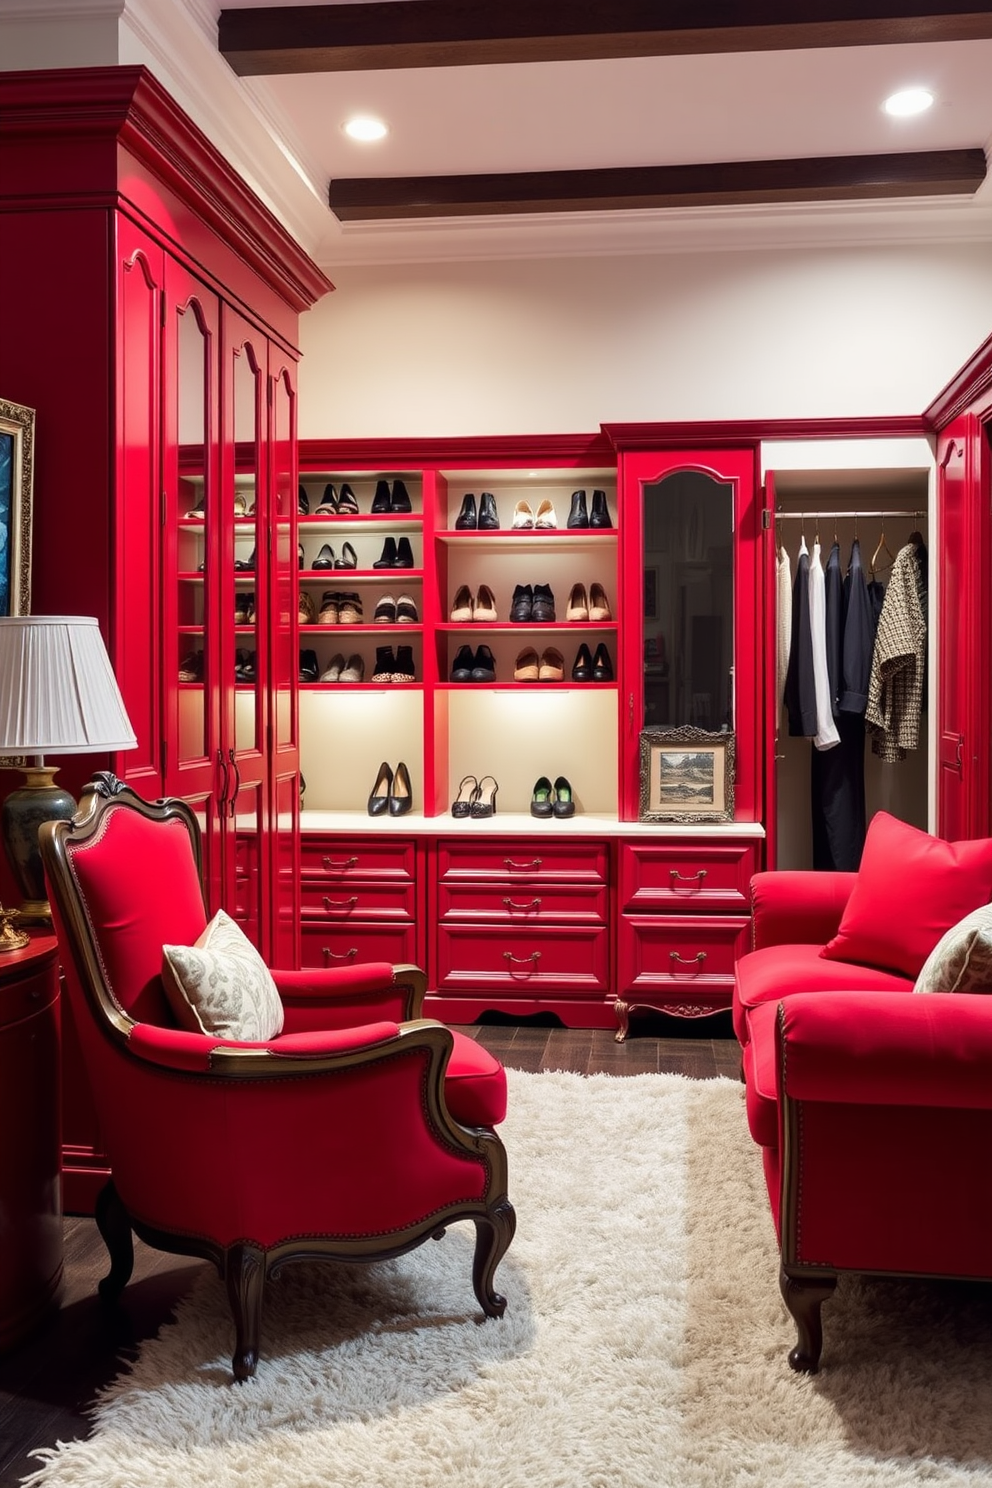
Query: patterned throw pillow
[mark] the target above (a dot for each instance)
(961, 961)
(221, 986)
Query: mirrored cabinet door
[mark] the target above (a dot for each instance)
(692, 647)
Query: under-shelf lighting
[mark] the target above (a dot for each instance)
(908, 101)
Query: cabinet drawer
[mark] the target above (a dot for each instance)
(523, 962)
(679, 879)
(358, 901)
(337, 859)
(560, 904)
(524, 860)
(348, 945)
(691, 952)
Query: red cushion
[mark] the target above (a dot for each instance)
(777, 971)
(474, 1084)
(911, 888)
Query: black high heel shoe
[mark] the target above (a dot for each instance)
(540, 801)
(404, 554)
(309, 670)
(348, 559)
(380, 501)
(461, 806)
(244, 565)
(324, 559)
(484, 798)
(347, 502)
(381, 792)
(399, 500)
(467, 519)
(388, 557)
(328, 502)
(602, 666)
(582, 665)
(400, 792)
(302, 501)
(564, 804)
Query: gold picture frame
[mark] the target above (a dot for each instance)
(16, 497)
(687, 775)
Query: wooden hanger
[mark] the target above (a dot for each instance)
(882, 551)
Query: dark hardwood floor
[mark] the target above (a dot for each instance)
(48, 1381)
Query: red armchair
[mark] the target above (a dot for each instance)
(357, 1133)
(872, 1107)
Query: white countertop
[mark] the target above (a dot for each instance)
(517, 824)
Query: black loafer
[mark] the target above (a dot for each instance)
(399, 501)
(488, 515)
(599, 516)
(461, 670)
(522, 604)
(467, 519)
(484, 665)
(543, 608)
(380, 501)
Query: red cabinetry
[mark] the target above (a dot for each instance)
(154, 332)
(360, 901)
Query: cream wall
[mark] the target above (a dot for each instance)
(561, 345)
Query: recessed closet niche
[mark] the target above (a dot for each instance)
(878, 494)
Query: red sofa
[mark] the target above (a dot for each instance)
(872, 1106)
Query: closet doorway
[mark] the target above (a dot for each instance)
(873, 500)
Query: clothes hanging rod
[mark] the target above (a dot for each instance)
(812, 516)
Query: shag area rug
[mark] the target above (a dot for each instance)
(644, 1344)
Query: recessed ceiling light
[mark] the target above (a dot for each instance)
(908, 101)
(365, 128)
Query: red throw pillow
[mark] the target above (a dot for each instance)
(910, 889)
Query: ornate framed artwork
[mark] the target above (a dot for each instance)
(16, 487)
(16, 490)
(687, 775)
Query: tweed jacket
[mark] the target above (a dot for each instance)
(895, 686)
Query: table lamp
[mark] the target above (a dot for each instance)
(58, 694)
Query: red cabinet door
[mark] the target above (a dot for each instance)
(964, 630)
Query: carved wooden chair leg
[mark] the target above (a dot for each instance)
(114, 1224)
(244, 1273)
(493, 1233)
(804, 1296)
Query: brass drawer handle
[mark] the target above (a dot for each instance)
(696, 878)
(534, 863)
(534, 904)
(333, 867)
(330, 904)
(521, 960)
(696, 960)
(330, 955)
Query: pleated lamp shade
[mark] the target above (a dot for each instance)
(58, 695)
(58, 692)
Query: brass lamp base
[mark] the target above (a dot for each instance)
(11, 939)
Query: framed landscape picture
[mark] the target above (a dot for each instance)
(687, 775)
(16, 484)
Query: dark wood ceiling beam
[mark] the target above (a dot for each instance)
(733, 183)
(460, 33)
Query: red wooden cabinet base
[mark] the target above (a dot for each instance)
(30, 1137)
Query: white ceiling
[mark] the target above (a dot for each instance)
(561, 115)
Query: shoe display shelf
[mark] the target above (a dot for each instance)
(363, 556)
